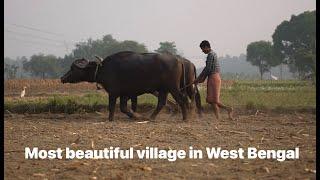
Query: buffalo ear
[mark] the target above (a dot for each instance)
(81, 63)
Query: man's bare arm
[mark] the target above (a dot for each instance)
(202, 77)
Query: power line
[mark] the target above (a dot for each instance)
(33, 42)
(40, 37)
(64, 42)
(35, 29)
(31, 35)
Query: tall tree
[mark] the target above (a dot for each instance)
(261, 54)
(167, 47)
(295, 43)
(105, 47)
(65, 63)
(131, 46)
(45, 66)
(10, 70)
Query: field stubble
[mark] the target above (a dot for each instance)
(88, 129)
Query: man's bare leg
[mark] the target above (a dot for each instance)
(216, 110)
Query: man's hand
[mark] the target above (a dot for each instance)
(201, 77)
(195, 82)
(199, 80)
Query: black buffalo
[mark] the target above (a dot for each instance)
(128, 74)
(190, 90)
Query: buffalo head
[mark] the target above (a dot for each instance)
(81, 70)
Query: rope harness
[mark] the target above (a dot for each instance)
(95, 74)
(186, 86)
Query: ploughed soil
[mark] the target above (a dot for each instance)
(263, 130)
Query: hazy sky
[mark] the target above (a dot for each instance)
(53, 26)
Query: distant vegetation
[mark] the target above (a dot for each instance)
(50, 66)
(238, 68)
(292, 49)
(294, 44)
(167, 47)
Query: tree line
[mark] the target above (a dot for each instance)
(293, 44)
(50, 66)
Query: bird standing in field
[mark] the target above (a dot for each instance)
(274, 77)
(23, 92)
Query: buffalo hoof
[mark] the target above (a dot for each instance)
(148, 119)
(185, 120)
(145, 118)
(152, 117)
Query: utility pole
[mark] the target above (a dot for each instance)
(67, 48)
(281, 71)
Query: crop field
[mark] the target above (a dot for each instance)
(53, 96)
(269, 115)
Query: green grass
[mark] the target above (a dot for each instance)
(270, 94)
(268, 83)
(242, 94)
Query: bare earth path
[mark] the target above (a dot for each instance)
(87, 131)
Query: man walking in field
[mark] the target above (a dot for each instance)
(212, 71)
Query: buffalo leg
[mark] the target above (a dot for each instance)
(182, 100)
(112, 106)
(162, 99)
(198, 101)
(191, 95)
(124, 108)
(169, 102)
(134, 102)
